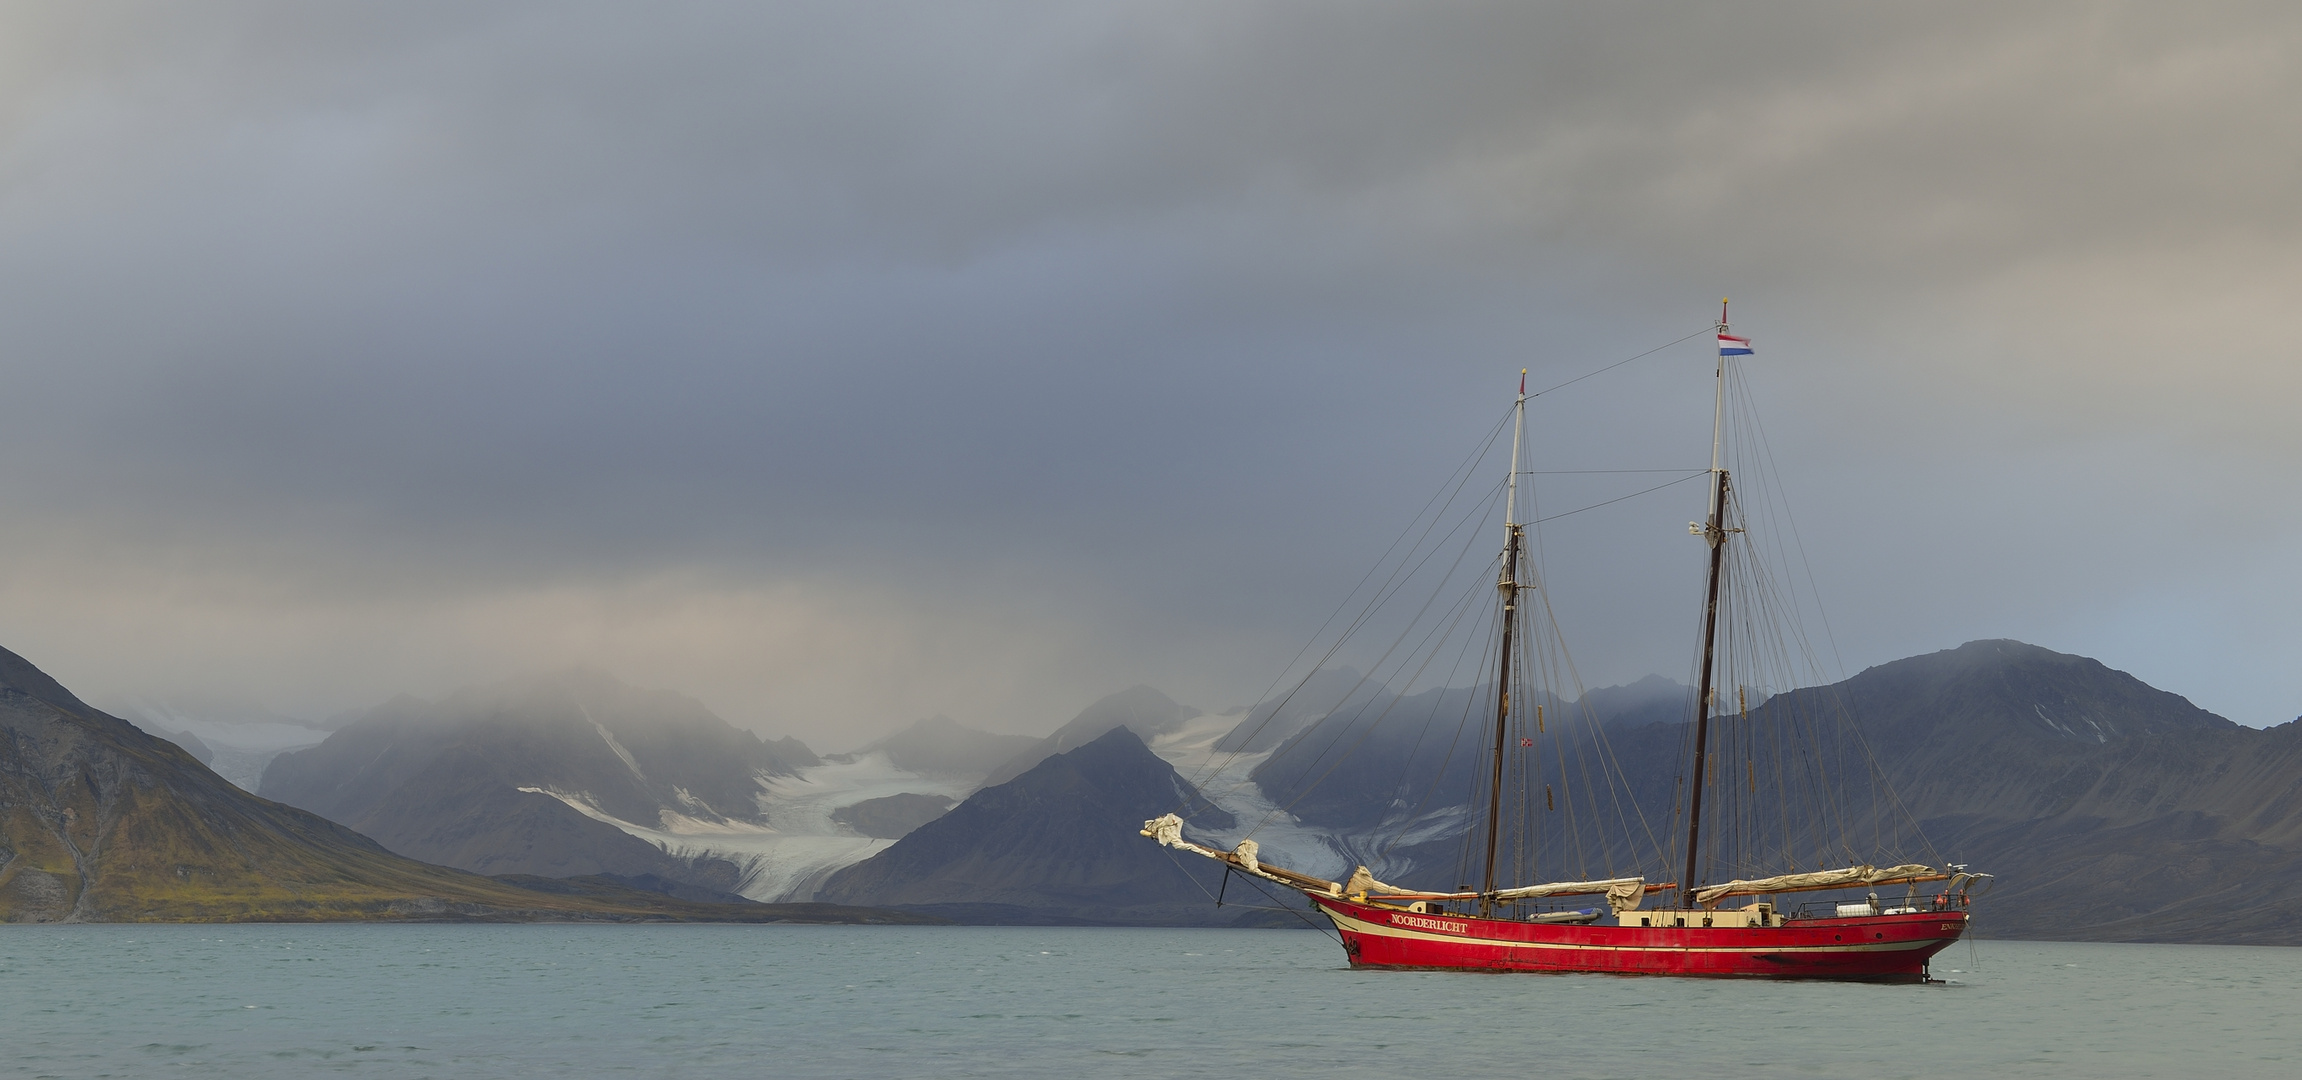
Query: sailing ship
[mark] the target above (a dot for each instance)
(1691, 926)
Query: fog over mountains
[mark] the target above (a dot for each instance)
(576, 774)
(2109, 809)
(235, 737)
(102, 822)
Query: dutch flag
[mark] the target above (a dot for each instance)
(1730, 345)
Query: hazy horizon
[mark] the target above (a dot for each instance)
(840, 366)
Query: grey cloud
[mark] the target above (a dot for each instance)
(1134, 325)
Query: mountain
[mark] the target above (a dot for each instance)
(943, 747)
(547, 777)
(577, 774)
(1376, 763)
(2109, 809)
(1650, 700)
(1364, 765)
(243, 734)
(1271, 723)
(1057, 844)
(192, 745)
(892, 817)
(1146, 712)
(100, 821)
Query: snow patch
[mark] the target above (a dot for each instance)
(788, 858)
(629, 762)
(1223, 779)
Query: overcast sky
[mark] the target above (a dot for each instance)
(843, 364)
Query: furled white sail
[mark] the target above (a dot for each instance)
(1167, 829)
(1623, 894)
(1819, 879)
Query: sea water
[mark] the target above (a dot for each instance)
(838, 1001)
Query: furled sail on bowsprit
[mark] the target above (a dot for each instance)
(1623, 894)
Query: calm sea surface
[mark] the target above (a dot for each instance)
(793, 1002)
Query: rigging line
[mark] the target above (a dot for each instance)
(1712, 329)
(1407, 761)
(1461, 608)
(1462, 605)
(1251, 880)
(1489, 648)
(1598, 472)
(1439, 777)
(1466, 470)
(1747, 413)
(1777, 511)
(1281, 905)
(1352, 722)
(1566, 656)
(1608, 766)
(1398, 581)
(1632, 495)
(1373, 670)
(1390, 585)
(1477, 512)
(1829, 636)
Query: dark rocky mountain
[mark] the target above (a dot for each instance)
(191, 744)
(2109, 810)
(891, 817)
(1146, 712)
(1370, 763)
(508, 779)
(100, 821)
(1378, 760)
(1058, 844)
(943, 747)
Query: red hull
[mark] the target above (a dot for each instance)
(1882, 948)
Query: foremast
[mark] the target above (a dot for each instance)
(1508, 582)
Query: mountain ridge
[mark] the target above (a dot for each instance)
(496, 779)
(103, 822)
(1058, 843)
(1139, 708)
(2108, 808)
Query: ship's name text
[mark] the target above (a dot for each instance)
(1421, 923)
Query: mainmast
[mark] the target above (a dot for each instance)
(1509, 584)
(1713, 533)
